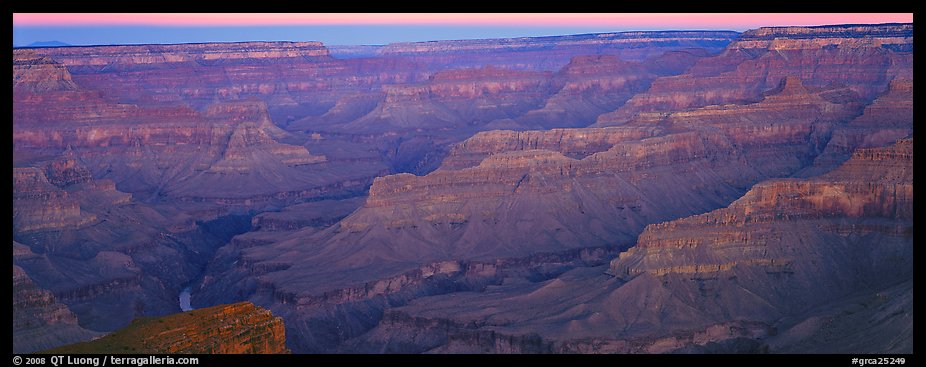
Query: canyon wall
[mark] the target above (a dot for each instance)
(795, 265)
(40, 321)
(864, 58)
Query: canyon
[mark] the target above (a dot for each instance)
(633, 192)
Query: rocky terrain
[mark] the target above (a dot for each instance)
(100, 251)
(888, 118)
(240, 328)
(793, 265)
(526, 197)
(542, 53)
(863, 58)
(39, 320)
(636, 192)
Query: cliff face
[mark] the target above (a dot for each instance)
(864, 58)
(524, 196)
(174, 120)
(126, 102)
(791, 244)
(551, 53)
(822, 264)
(98, 250)
(146, 55)
(240, 328)
(592, 85)
(875, 183)
(39, 205)
(513, 204)
(173, 83)
(573, 143)
(456, 99)
(253, 139)
(430, 119)
(185, 158)
(886, 34)
(550, 190)
(293, 86)
(791, 112)
(40, 321)
(453, 104)
(35, 73)
(315, 214)
(884, 121)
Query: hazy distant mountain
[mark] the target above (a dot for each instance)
(48, 44)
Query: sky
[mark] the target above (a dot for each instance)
(384, 28)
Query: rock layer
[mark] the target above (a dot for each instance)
(40, 321)
(98, 250)
(864, 58)
(884, 121)
(790, 244)
(793, 262)
(551, 53)
(526, 195)
(39, 205)
(240, 328)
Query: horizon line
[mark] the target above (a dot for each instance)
(619, 20)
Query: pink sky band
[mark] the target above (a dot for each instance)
(618, 21)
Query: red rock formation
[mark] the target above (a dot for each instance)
(456, 99)
(807, 117)
(240, 328)
(27, 296)
(884, 121)
(793, 262)
(552, 53)
(156, 147)
(876, 182)
(67, 171)
(44, 93)
(297, 79)
(667, 52)
(790, 244)
(573, 143)
(147, 55)
(249, 139)
(145, 86)
(855, 56)
(894, 108)
(50, 199)
(39, 205)
(591, 85)
(501, 207)
(35, 73)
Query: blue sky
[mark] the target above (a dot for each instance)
(329, 35)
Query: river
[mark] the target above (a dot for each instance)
(185, 299)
